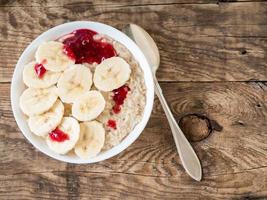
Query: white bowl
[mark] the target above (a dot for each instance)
(17, 88)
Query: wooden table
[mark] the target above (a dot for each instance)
(213, 72)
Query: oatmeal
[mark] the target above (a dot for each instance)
(86, 93)
(131, 111)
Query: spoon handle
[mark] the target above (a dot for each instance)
(187, 154)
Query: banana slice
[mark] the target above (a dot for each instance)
(71, 127)
(43, 124)
(52, 56)
(88, 106)
(74, 82)
(91, 141)
(111, 74)
(31, 79)
(36, 101)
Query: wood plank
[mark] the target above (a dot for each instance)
(50, 3)
(250, 184)
(240, 108)
(230, 46)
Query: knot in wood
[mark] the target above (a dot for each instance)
(195, 127)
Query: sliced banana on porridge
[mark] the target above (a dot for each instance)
(91, 141)
(88, 106)
(33, 78)
(37, 101)
(51, 55)
(65, 136)
(74, 82)
(111, 74)
(80, 87)
(44, 123)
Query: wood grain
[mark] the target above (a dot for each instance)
(232, 158)
(53, 185)
(228, 46)
(36, 3)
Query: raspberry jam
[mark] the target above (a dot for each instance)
(83, 48)
(112, 124)
(58, 135)
(116, 108)
(39, 70)
(119, 97)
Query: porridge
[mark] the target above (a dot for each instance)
(86, 93)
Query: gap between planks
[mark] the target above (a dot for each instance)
(218, 2)
(223, 81)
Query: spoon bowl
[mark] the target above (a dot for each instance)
(145, 43)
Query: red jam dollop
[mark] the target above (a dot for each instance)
(39, 70)
(58, 135)
(112, 124)
(119, 97)
(83, 48)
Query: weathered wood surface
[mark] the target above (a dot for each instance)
(213, 65)
(198, 42)
(234, 160)
(37, 3)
